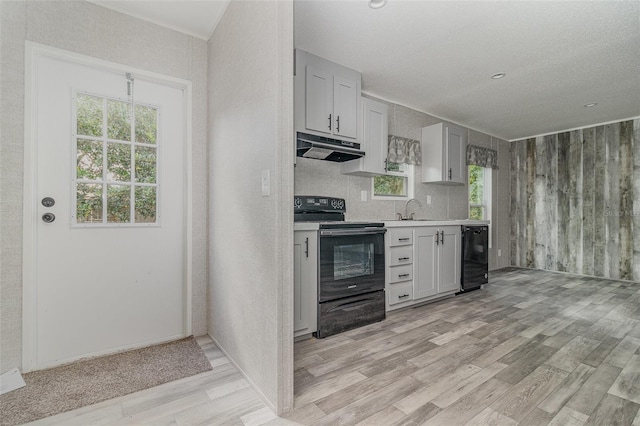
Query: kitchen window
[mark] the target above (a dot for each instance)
(397, 184)
(479, 193)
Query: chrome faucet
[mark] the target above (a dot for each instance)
(406, 210)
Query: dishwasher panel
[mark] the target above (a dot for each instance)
(475, 257)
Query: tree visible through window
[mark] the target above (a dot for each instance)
(479, 193)
(394, 184)
(112, 167)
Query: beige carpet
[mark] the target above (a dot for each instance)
(65, 388)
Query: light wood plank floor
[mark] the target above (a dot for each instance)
(532, 348)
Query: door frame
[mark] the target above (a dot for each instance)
(30, 221)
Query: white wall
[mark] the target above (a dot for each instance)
(91, 30)
(250, 236)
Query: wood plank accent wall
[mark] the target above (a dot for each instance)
(572, 201)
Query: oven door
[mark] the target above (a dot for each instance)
(351, 262)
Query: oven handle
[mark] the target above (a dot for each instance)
(359, 231)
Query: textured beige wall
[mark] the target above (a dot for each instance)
(91, 30)
(314, 177)
(251, 236)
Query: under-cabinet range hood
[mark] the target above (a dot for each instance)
(321, 148)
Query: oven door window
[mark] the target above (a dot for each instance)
(353, 260)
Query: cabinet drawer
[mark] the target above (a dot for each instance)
(400, 273)
(400, 237)
(399, 293)
(401, 255)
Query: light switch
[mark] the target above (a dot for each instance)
(499, 252)
(363, 195)
(266, 183)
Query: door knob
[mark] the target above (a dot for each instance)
(48, 217)
(48, 202)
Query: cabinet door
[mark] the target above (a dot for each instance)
(425, 263)
(456, 152)
(345, 107)
(319, 100)
(449, 259)
(376, 135)
(305, 246)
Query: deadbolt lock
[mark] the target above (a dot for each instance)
(48, 217)
(48, 202)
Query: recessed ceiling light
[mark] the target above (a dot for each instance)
(498, 76)
(377, 4)
(591, 104)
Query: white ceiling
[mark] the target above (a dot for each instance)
(197, 18)
(438, 56)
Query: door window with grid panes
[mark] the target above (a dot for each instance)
(116, 161)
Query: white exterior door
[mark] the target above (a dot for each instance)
(107, 158)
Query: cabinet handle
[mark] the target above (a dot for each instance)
(449, 173)
(403, 296)
(403, 258)
(306, 250)
(403, 275)
(442, 237)
(338, 123)
(437, 239)
(403, 239)
(329, 121)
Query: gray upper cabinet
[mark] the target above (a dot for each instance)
(326, 98)
(374, 141)
(444, 147)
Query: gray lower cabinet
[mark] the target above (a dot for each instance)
(423, 263)
(305, 282)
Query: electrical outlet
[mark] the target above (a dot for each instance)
(266, 183)
(363, 195)
(428, 199)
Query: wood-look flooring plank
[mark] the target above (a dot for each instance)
(627, 384)
(328, 387)
(388, 416)
(371, 404)
(528, 393)
(613, 411)
(471, 405)
(592, 391)
(524, 366)
(569, 417)
(426, 394)
(559, 397)
(572, 354)
(599, 354)
(468, 385)
(499, 351)
(621, 354)
(490, 417)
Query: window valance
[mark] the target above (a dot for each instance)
(404, 150)
(483, 157)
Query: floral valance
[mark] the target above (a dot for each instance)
(404, 150)
(483, 157)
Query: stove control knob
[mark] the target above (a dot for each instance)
(341, 204)
(297, 203)
(334, 204)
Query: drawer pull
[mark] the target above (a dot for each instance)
(403, 296)
(403, 258)
(403, 239)
(403, 275)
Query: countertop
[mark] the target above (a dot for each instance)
(314, 226)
